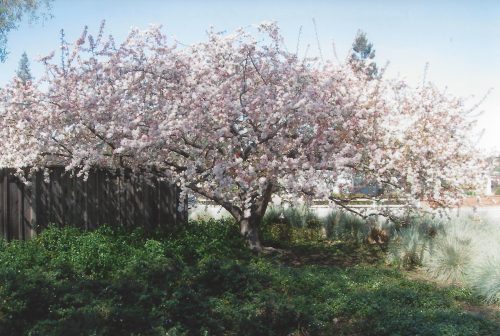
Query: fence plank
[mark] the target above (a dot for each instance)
(5, 192)
(3, 220)
(29, 207)
(91, 202)
(13, 210)
(20, 208)
(154, 202)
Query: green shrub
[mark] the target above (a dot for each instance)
(108, 281)
(200, 239)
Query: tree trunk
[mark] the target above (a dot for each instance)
(249, 227)
(250, 230)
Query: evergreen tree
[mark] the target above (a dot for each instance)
(361, 53)
(24, 72)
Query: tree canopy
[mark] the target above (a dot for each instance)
(12, 12)
(237, 118)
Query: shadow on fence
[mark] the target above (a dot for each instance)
(104, 198)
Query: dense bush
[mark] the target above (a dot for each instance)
(103, 282)
(202, 280)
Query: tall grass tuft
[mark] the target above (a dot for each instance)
(484, 271)
(466, 250)
(484, 278)
(341, 225)
(330, 223)
(408, 247)
(272, 215)
(449, 259)
(411, 244)
(274, 229)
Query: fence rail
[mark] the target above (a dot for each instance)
(104, 198)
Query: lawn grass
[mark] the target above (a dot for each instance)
(203, 281)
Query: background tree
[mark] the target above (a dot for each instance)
(23, 71)
(362, 53)
(11, 14)
(237, 119)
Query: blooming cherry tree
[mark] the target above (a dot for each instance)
(236, 119)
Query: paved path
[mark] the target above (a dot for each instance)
(490, 212)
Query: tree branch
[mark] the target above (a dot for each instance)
(235, 211)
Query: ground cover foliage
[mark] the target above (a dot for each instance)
(202, 280)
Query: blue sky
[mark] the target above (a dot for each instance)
(459, 39)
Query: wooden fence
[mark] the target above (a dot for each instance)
(104, 198)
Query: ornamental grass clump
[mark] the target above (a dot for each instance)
(274, 228)
(417, 240)
(341, 225)
(294, 216)
(462, 244)
(484, 278)
(484, 272)
(292, 224)
(408, 247)
(449, 259)
(429, 225)
(273, 215)
(330, 222)
(467, 251)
